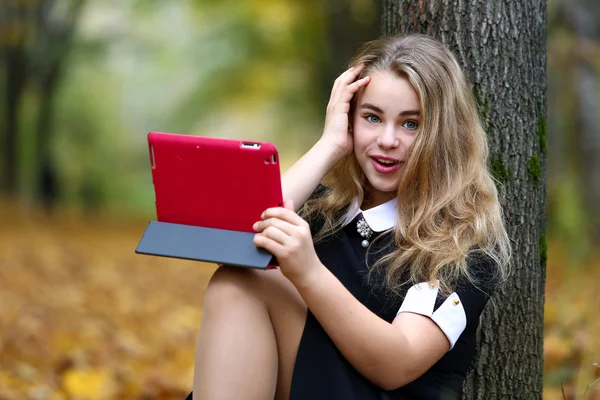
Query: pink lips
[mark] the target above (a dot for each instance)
(385, 169)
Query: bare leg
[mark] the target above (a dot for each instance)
(249, 336)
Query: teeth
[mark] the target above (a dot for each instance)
(388, 162)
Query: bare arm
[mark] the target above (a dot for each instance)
(389, 355)
(302, 178)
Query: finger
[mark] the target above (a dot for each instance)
(284, 214)
(362, 82)
(280, 224)
(352, 89)
(352, 73)
(276, 235)
(268, 244)
(354, 70)
(344, 94)
(346, 78)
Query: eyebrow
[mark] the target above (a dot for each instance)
(379, 110)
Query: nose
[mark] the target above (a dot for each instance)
(388, 139)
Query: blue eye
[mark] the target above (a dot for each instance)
(374, 119)
(412, 125)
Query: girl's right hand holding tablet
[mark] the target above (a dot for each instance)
(336, 133)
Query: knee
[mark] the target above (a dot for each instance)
(229, 284)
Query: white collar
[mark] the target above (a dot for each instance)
(380, 218)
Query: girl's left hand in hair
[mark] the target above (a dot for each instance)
(287, 236)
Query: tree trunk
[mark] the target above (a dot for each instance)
(15, 82)
(46, 185)
(346, 29)
(37, 58)
(501, 44)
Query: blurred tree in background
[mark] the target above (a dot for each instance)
(227, 68)
(35, 39)
(573, 128)
(84, 81)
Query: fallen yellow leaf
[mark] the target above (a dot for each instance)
(89, 384)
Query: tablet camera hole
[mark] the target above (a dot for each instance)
(274, 158)
(248, 145)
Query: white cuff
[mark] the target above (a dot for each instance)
(450, 316)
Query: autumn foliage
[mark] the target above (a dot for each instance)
(83, 317)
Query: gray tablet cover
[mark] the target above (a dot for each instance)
(203, 244)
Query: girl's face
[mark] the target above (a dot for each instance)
(386, 120)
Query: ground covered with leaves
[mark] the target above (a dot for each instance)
(83, 317)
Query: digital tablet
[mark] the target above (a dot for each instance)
(208, 194)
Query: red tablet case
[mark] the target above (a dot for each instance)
(210, 183)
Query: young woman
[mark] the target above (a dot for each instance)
(388, 264)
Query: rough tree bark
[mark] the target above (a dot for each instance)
(501, 44)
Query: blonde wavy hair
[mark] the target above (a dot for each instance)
(448, 206)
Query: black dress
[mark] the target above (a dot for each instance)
(322, 372)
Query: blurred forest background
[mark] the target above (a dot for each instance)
(84, 81)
